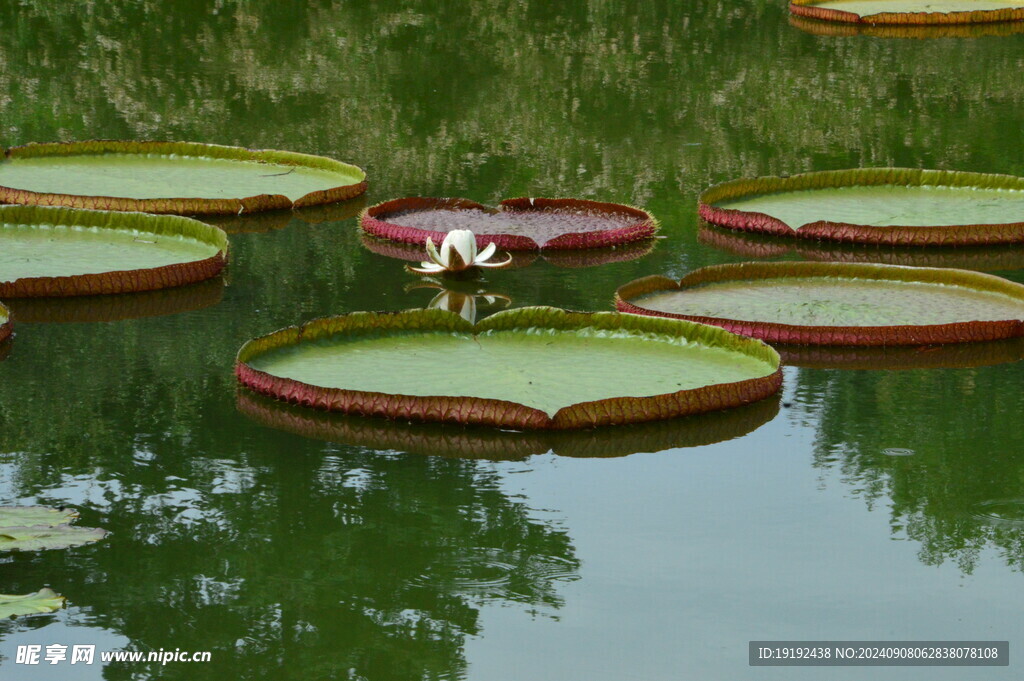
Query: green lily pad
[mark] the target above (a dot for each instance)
(21, 516)
(837, 304)
(881, 206)
(34, 528)
(172, 177)
(910, 12)
(42, 601)
(525, 368)
(65, 251)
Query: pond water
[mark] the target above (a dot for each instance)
(863, 505)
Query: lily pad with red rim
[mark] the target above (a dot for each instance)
(5, 324)
(183, 178)
(910, 12)
(523, 224)
(837, 304)
(52, 252)
(536, 368)
(891, 206)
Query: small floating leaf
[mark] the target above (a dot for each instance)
(21, 516)
(42, 601)
(33, 528)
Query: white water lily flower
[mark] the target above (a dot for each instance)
(457, 254)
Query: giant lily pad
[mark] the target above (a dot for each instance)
(893, 206)
(525, 368)
(910, 12)
(70, 252)
(837, 304)
(5, 324)
(42, 601)
(34, 528)
(518, 225)
(184, 178)
(495, 444)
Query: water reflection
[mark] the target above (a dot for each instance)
(110, 308)
(501, 445)
(951, 356)
(978, 258)
(965, 454)
(256, 223)
(464, 297)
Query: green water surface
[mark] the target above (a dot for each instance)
(863, 505)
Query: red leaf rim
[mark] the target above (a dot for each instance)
(502, 413)
(374, 221)
(835, 29)
(117, 281)
(5, 324)
(181, 205)
(824, 230)
(809, 8)
(437, 439)
(771, 332)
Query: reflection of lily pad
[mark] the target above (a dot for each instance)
(837, 304)
(915, 32)
(270, 221)
(518, 225)
(33, 528)
(760, 246)
(42, 601)
(892, 206)
(910, 12)
(52, 252)
(950, 356)
(118, 307)
(172, 177)
(439, 439)
(5, 324)
(524, 368)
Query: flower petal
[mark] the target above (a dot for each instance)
(485, 254)
(496, 265)
(425, 268)
(464, 243)
(432, 252)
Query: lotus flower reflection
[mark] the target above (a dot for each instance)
(457, 254)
